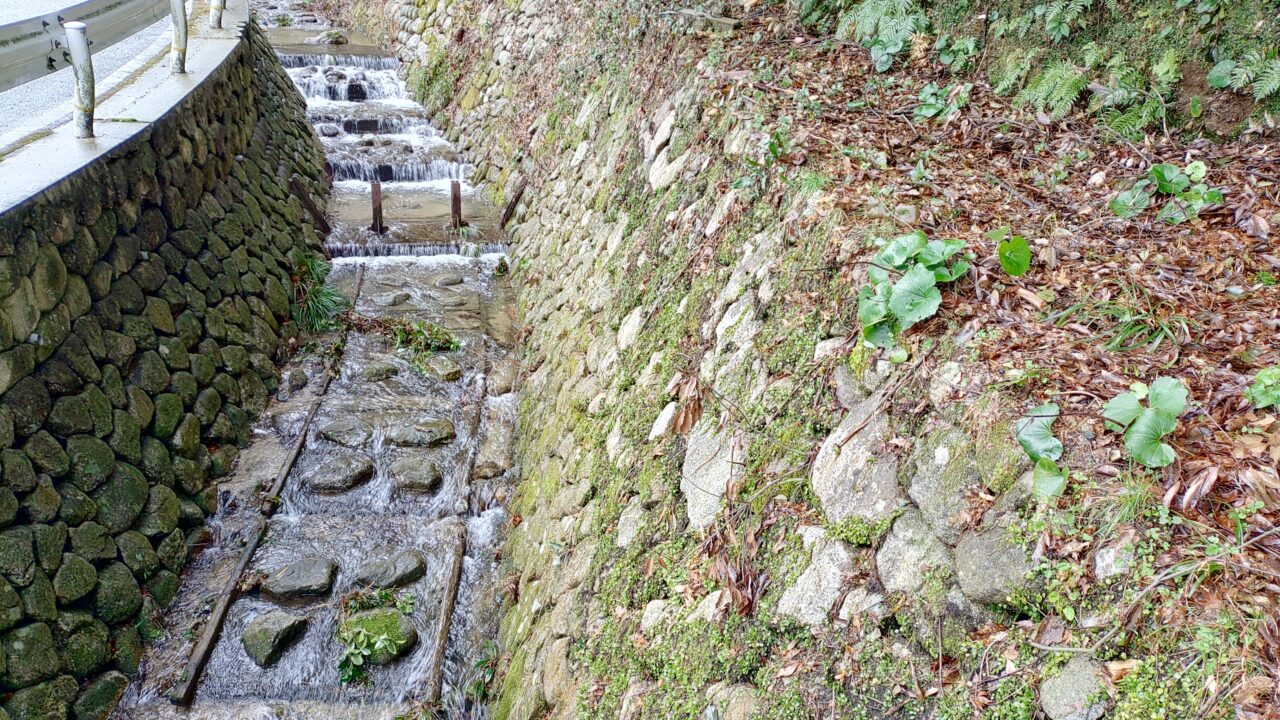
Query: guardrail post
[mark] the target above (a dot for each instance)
(178, 50)
(83, 101)
(215, 13)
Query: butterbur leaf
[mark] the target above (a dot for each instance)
(998, 234)
(1196, 170)
(899, 250)
(1169, 179)
(1034, 432)
(879, 335)
(937, 251)
(1130, 203)
(1168, 395)
(1265, 390)
(872, 307)
(915, 296)
(1048, 481)
(945, 274)
(1143, 438)
(1121, 410)
(1015, 255)
(1220, 75)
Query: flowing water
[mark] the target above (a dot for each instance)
(379, 413)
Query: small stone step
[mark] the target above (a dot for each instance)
(270, 634)
(308, 577)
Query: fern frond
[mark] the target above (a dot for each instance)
(1055, 90)
(1267, 81)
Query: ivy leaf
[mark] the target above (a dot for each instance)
(1143, 438)
(1220, 75)
(1168, 395)
(878, 335)
(1015, 255)
(1169, 179)
(1034, 432)
(915, 296)
(1048, 481)
(1121, 410)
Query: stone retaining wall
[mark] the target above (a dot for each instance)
(644, 259)
(145, 300)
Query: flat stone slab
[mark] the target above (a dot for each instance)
(340, 473)
(398, 570)
(850, 480)
(815, 593)
(431, 433)
(443, 367)
(709, 465)
(1075, 693)
(270, 634)
(416, 475)
(909, 551)
(350, 432)
(308, 577)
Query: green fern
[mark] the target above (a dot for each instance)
(1055, 90)
(883, 26)
(1267, 79)
(1010, 71)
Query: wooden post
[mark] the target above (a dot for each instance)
(376, 192)
(435, 672)
(455, 204)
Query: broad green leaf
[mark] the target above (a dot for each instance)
(878, 335)
(1034, 432)
(1139, 390)
(897, 355)
(872, 308)
(1048, 481)
(945, 274)
(1143, 438)
(899, 250)
(998, 234)
(1169, 179)
(1121, 410)
(1130, 203)
(1220, 75)
(1168, 395)
(1015, 255)
(937, 251)
(1265, 390)
(1196, 171)
(915, 296)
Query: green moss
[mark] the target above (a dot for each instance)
(857, 531)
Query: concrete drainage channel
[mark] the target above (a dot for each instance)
(399, 472)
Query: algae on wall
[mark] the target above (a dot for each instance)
(146, 299)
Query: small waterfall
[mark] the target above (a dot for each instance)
(367, 62)
(347, 83)
(438, 169)
(354, 250)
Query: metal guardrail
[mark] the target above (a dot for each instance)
(37, 46)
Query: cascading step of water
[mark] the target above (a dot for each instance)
(399, 456)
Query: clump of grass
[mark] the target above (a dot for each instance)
(1132, 321)
(316, 305)
(283, 20)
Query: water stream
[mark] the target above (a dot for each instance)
(431, 451)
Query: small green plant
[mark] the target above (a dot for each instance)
(358, 645)
(283, 20)
(904, 277)
(316, 305)
(1013, 251)
(1186, 200)
(1258, 71)
(1034, 432)
(883, 26)
(942, 103)
(1145, 427)
(1265, 390)
(1055, 90)
(420, 339)
(486, 668)
(955, 52)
